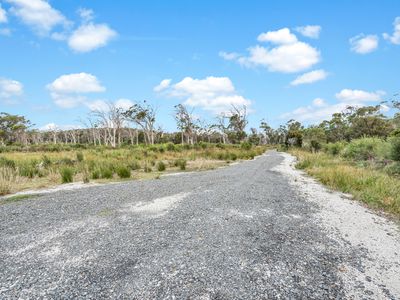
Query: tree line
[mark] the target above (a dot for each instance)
(137, 124)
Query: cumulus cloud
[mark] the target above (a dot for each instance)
(164, 84)
(288, 55)
(38, 14)
(68, 91)
(10, 90)
(54, 126)
(281, 36)
(104, 105)
(320, 110)
(395, 37)
(310, 77)
(364, 44)
(214, 94)
(3, 15)
(89, 37)
(357, 96)
(86, 14)
(310, 31)
(5, 31)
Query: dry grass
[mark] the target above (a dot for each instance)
(41, 169)
(374, 187)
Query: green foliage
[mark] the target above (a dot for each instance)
(393, 168)
(334, 148)
(181, 163)
(170, 147)
(246, 145)
(362, 149)
(46, 162)
(67, 175)
(95, 174)
(28, 169)
(123, 172)
(161, 166)
(395, 148)
(106, 172)
(79, 156)
(8, 163)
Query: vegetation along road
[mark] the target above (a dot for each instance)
(254, 230)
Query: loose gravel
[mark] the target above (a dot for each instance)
(248, 231)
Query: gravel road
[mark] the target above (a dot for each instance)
(253, 230)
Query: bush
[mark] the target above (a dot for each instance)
(46, 162)
(393, 169)
(334, 148)
(147, 169)
(123, 172)
(362, 149)
(66, 161)
(67, 175)
(170, 147)
(7, 163)
(79, 156)
(395, 148)
(28, 169)
(106, 173)
(161, 166)
(246, 146)
(95, 174)
(181, 163)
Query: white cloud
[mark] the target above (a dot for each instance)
(395, 37)
(89, 37)
(364, 44)
(320, 110)
(67, 90)
(357, 96)
(54, 126)
(228, 56)
(3, 15)
(104, 105)
(288, 56)
(38, 14)
(281, 36)
(10, 90)
(310, 77)
(311, 31)
(164, 84)
(86, 14)
(76, 83)
(124, 104)
(214, 94)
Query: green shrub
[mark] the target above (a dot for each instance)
(395, 148)
(147, 169)
(123, 172)
(334, 148)
(181, 163)
(7, 163)
(106, 172)
(79, 156)
(362, 149)
(66, 161)
(161, 166)
(170, 147)
(28, 169)
(46, 162)
(95, 174)
(246, 145)
(393, 168)
(67, 175)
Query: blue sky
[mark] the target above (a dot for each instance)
(283, 59)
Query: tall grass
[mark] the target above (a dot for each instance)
(44, 165)
(370, 185)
